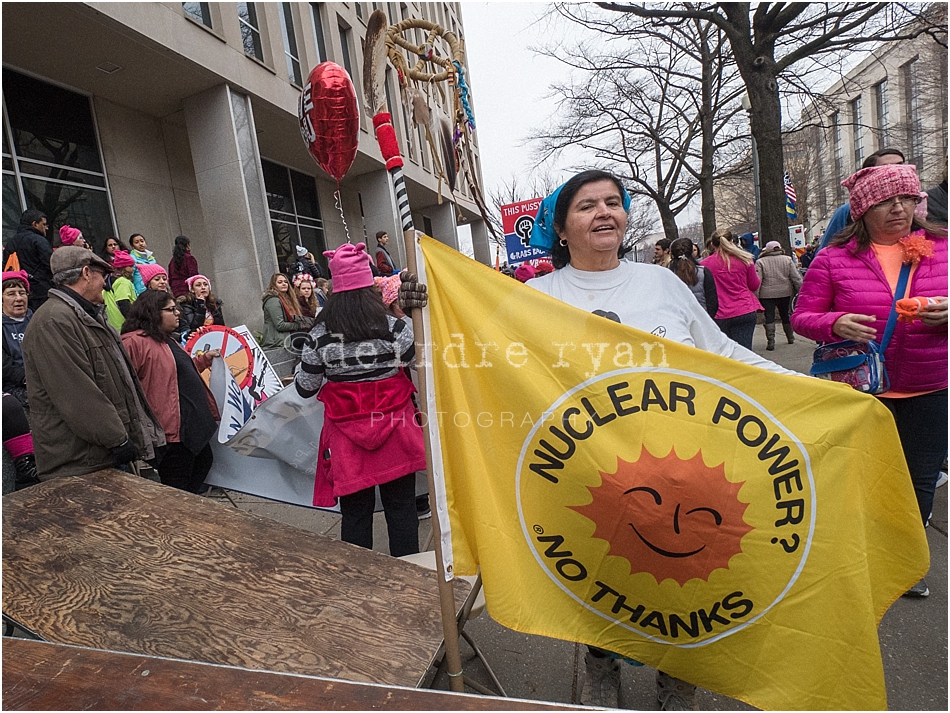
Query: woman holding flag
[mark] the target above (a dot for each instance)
(583, 223)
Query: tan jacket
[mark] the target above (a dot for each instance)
(85, 398)
(779, 274)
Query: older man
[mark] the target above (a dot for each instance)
(87, 406)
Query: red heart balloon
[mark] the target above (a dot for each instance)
(330, 118)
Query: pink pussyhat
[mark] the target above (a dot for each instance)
(191, 280)
(350, 267)
(149, 271)
(69, 235)
(876, 184)
(122, 259)
(389, 286)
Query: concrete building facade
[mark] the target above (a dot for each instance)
(169, 118)
(895, 98)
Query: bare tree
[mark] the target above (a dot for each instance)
(659, 109)
(768, 40)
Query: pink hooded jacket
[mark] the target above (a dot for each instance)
(839, 282)
(370, 436)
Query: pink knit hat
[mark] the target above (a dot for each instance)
(524, 272)
(69, 235)
(349, 267)
(149, 271)
(191, 280)
(120, 258)
(389, 286)
(876, 184)
(17, 275)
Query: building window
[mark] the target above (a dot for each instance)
(200, 11)
(915, 137)
(294, 212)
(290, 44)
(318, 32)
(880, 113)
(54, 163)
(857, 131)
(839, 152)
(250, 30)
(359, 10)
(345, 46)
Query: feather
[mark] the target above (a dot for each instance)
(444, 133)
(374, 62)
(419, 106)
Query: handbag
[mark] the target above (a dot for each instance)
(860, 366)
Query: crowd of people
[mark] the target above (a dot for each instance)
(96, 399)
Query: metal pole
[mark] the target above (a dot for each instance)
(755, 178)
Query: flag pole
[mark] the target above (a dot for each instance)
(374, 65)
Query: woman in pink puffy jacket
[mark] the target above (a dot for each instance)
(847, 294)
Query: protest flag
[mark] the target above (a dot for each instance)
(740, 529)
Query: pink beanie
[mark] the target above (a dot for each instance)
(149, 271)
(191, 280)
(876, 184)
(524, 272)
(17, 275)
(389, 286)
(69, 235)
(349, 267)
(120, 258)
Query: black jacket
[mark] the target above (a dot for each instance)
(33, 251)
(305, 264)
(192, 315)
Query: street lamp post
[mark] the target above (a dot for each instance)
(747, 105)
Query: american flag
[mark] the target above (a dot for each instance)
(790, 198)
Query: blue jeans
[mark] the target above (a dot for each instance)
(922, 426)
(739, 329)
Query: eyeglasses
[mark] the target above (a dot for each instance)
(171, 309)
(906, 202)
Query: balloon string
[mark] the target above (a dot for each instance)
(339, 207)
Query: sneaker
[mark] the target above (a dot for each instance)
(422, 508)
(674, 694)
(942, 478)
(918, 591)
(601, 681)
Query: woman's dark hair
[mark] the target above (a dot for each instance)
(356, 314)
(858, 230)
(146, 314)
(683, 263)
(104, 254)
(178, 252)
(561, 254)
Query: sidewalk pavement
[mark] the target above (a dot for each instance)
(913, 633)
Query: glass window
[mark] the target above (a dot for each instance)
(345, 46)
(359, 10)
(318, 32)
(839, 152)
(56, 166)
(857, 129)
(290, 44)
(294, 212)
(880, 111)
(915, 138)
(250, 30)
(200, 11)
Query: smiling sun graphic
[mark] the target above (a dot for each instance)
(671, 518)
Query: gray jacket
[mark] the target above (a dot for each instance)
(779, 274)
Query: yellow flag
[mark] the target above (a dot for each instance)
(739, 529)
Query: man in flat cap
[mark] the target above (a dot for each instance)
(87, 408)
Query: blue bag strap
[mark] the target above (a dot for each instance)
(838, 364)
(898, 294)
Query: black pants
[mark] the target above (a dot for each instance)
(770, 303)
(922, 425)
(739, 329)
(180, 468)
(15, 422)
(402, 521)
